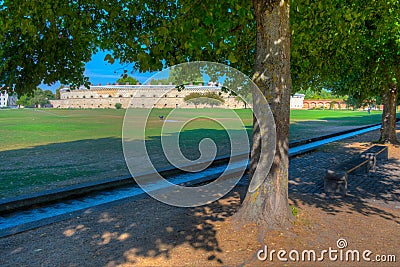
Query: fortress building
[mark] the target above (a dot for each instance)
(163, 96)
(138, 96)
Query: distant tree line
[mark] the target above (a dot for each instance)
(38, 98)
(310, 94)
(127, 79)
(209, 98)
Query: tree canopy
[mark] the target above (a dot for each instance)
(39, 97)
(209, 98)
(52, 42)
(319, 94)
(127, 79)
(351, 48)
(348, 45)
(48, 41)
(181, 75)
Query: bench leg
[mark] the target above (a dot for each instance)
(371, 162)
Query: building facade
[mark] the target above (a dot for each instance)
(138, 96)
(7, 100)
(163, 96)
(296, 101)
(324, 104)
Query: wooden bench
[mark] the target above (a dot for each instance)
(336, 180)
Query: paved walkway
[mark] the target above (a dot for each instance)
(382, 187)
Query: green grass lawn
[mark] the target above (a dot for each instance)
(348, 115)
(309, 123)
(48, 148)
(23, 128)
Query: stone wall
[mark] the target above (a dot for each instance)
(324, 104)
(137, 96)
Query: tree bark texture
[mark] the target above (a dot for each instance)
(388, 130)
(268, 205)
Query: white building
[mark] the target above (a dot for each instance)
(296, 101)
(7, 100)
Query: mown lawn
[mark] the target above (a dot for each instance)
(309, 123)
(48, 148)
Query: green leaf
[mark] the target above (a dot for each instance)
(232, 58)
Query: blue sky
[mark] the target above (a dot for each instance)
(100, 71)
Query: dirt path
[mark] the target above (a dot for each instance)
(149, 233)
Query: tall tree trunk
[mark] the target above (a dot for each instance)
(388, 130)
(268, 205)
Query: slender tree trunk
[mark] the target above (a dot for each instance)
(268, 205)
(388, 130)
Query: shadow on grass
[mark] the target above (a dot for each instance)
(327, 125)
(45, 167)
